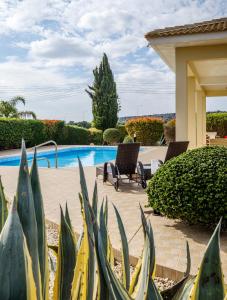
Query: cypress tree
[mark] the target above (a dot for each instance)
(103, 92)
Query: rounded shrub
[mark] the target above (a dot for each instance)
(170, 131)
(192, 186)
(122, 130)
(148, 130)
(111, 136)
(128, 139)
(75, 135)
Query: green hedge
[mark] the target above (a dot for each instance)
(95, 136)
(35, 132)
(13, 130)
(75, 135)
(217, 122)
(192, 186)
(148, 129)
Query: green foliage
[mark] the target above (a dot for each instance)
(103, 92)
(128, 139)
(95, 136)
(217, 122)
(35, 132)
(170, 131)
(53, 130)
(8, 109)
(83, 124)
(74, 135)
(85, 267)
(122, 130)
(112, 136)
(192, 186)
(13, 130)
(148, 129)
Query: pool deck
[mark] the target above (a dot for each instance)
(61, 185)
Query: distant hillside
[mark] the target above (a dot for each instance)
(166, 117)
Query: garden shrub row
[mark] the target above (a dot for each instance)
(35, 132)
(148, 130)
(217, 122)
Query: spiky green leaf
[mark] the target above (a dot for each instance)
(3, 206)
(41, 228)
(26, 212)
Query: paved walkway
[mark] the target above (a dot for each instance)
(59, 186)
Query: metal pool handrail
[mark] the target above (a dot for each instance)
(56, 149)
(42, 158)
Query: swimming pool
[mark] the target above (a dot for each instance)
(68, 157)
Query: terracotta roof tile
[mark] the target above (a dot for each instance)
(215, 25)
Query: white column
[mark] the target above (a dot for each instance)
(201, 118)
(192, 134)
(181, 100)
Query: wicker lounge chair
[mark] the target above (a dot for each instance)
(146, 171)
(125, 165)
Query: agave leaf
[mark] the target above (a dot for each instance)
(135, 277)
(65, 262)
(171, 292)
(142, 287)
(67, 217)
(26, 212)
(103, 228)
(153, 292)
(147, 229)
(3, 206)
(95, 200)
(16, 276)
(184, 291)
(209, 282)
(54, 248)
(125, 251)
(83, 184)
(41, 228)
(116, 290)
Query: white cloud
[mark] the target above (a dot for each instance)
(62, 37)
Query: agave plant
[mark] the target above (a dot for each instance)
(85, 265)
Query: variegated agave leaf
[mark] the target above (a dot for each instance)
(16, 276)
(26, 212)
(41, 228)
(209, 282)
(3, 206)
(66, 260)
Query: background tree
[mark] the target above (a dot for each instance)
(8, 109)
(103, 92)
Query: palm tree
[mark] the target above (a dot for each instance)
(8, 109)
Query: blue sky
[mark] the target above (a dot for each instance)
(49, 49)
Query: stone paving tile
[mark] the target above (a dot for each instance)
(59, 186)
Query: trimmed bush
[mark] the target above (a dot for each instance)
(148, 130)
(192, 186)
(217, 122)
(75, 135)
(112, 136)
(95, 136)
(53, 130)
(13, 130)
(122, 130)
(170, 131)
(128, 139)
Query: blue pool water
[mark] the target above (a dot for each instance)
(90, 156)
